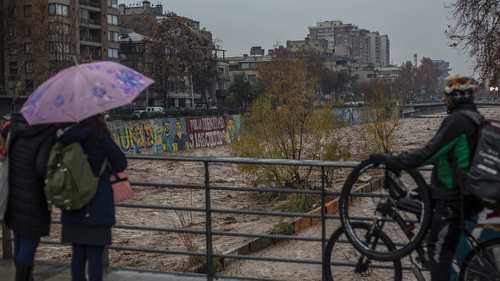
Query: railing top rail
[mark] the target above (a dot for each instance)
(438, 104)
(253, 161)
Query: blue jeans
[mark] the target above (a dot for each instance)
(86, 255)
(25, 250)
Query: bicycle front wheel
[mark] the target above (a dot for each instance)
(482, 263)
(398, 204)
(343, 262)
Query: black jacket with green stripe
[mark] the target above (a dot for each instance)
(452, 147)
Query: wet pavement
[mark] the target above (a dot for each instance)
(49, 272)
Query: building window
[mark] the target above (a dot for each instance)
(58, 9)
(28, 48)
(112, 53)
(12, 32)
(13, 68)
(27, 11)
(28, 67)
(113, 3)
(113, 36)
(182, 103)
(29, 85)
(112, 19)
(252, 78)
(12, 50)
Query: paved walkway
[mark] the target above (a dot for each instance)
(46, 272)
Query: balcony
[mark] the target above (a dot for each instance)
(90, 52)
(90, 37)
(93, 5)
(90, 23)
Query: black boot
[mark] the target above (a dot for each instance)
(24, 273)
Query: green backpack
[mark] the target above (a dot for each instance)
(70, 182)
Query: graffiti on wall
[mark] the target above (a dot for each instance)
(170, 135)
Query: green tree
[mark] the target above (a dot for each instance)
(285, 123)
(242, 93)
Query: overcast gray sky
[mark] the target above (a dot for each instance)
(415, 26)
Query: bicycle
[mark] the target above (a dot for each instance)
(404, 208)
(482, 263)
(364, 268)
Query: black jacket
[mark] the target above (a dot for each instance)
(101, 210)
(451, 148)
(27, 212)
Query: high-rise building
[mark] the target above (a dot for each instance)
(319, 45)
(361, 46)
(41, 37)
(380, 49)
(385, 50)
(325, 31)
(348, 40)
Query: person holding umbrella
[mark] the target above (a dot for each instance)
(27, 214)
(76, 98)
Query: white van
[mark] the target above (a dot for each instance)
(154, 109)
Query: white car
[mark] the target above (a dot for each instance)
(154, 109)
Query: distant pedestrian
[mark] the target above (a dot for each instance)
(88, 230)
(27, 212)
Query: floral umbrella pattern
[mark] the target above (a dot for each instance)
(82, 91)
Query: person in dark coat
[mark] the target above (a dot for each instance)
(88, 230)
(27, 212)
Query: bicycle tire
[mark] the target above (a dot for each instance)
(398, 269)
(468, 262)
(425, 218)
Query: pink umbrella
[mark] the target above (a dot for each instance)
(82, 91)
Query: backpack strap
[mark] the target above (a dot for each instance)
(104, 166)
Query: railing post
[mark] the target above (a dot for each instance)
(208, 225)
(6, 243)
(324, 263)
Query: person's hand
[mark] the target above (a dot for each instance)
(378, 159)
(386, 159)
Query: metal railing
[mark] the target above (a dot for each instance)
(209, 254)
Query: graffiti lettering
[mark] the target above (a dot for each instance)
(167, 135)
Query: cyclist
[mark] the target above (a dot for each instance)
(450, 151)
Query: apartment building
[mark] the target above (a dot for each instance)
(348, 40)
(319, 45)
(325, 31)
(41, 37)
(138, 22)
(380, 50)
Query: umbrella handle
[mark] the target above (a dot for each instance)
(75, 60)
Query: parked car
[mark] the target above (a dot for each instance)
(154, 109)
(138, 113)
